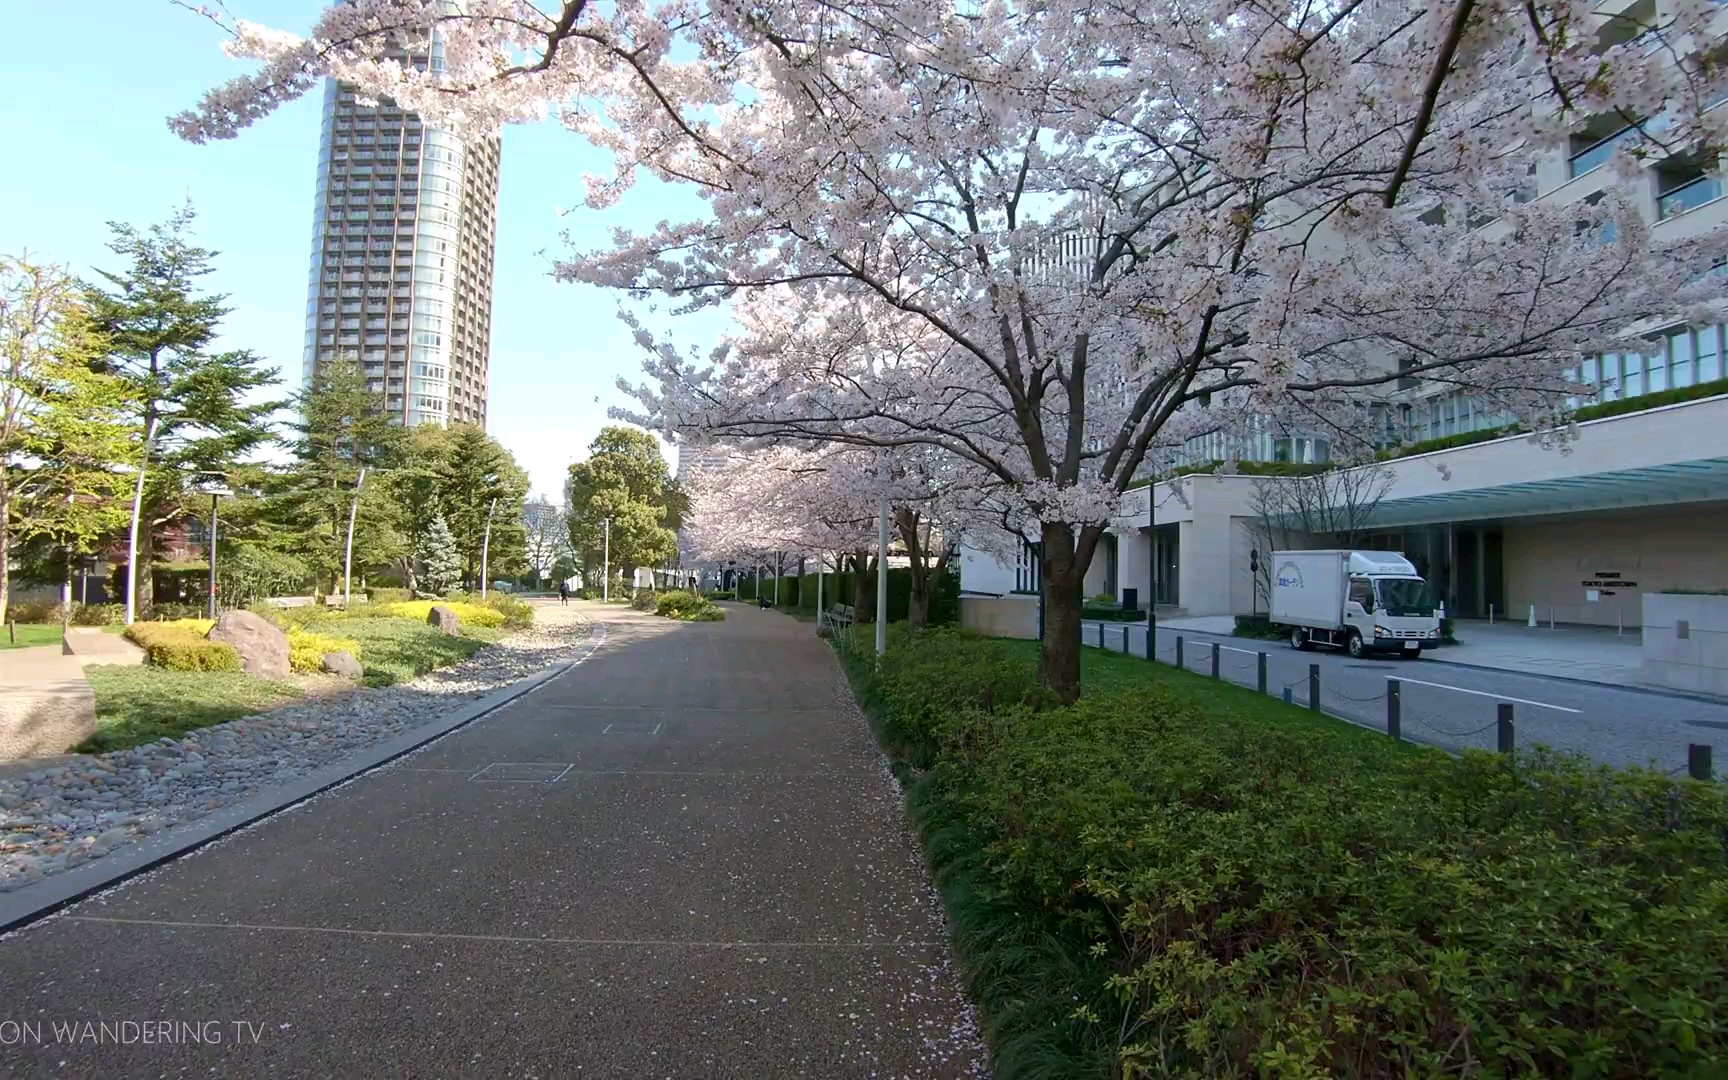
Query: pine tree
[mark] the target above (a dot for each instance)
(440, 561)
(65, 434)
(477, 471)
(340, 429)
(159, 330)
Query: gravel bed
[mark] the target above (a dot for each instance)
(71, 812)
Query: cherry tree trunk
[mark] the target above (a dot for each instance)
(1063, 573)
(863, 587)
(918, 606)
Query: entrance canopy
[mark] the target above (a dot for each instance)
(1704, 480)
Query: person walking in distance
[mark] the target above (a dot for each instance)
(564, 592)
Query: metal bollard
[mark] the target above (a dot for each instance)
(1215, 654)
(1151, 643)
(1260, 674)
(1287, 700)
(1394, 709)
(1503, 728)
(1179, 652)
(1100, 635)
(1124, 639)
(1313, 687)
(1490, 614)
(1698, 761)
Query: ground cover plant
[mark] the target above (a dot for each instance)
(1174, 877)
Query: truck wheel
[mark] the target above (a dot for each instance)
(1353, 645)
(1299, 639)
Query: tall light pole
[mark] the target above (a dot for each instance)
(882, 563)
(348, 551)
(215, 495)
(486, 546)
(137, 511)
(606, 565)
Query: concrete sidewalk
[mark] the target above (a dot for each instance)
(46, 705)
(683, 858)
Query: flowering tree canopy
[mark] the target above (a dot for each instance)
(1036, 236)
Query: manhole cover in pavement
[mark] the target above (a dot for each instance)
(522, 772)
(631, 729)
(1719, 725)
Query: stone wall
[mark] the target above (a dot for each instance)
(1686, 642)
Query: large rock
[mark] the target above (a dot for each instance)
(262, 647)
(444, 619)
(342, 663)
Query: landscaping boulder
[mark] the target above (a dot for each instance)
(342, 663)
(262, 647)
(444, 619)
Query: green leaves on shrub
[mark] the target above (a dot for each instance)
(1241, 891)
(181, 648)
(687, 607)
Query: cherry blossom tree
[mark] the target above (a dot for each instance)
(1052, 240)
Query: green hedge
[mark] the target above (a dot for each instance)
(1178, 878)
(177, 648)
(687, 607)
(1111, 613)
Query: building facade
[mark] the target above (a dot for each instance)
(403, 239)
(1635, 502)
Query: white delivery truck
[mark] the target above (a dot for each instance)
(1363, 601)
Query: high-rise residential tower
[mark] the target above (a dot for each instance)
(402, 248)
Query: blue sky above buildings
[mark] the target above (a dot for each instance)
(84, 95)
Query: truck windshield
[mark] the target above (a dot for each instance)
(1404, 596)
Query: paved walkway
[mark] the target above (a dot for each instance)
(46, 705)
(683, 858)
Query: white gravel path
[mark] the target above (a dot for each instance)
(73, 811)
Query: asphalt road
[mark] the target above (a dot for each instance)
(1456, 707)
(681, 859)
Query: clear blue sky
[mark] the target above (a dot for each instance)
(86, 142)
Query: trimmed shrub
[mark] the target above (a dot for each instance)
(1173, 878)
(687, 607)
(1111, 613)
(721, 594)
(181, 646)
(489, 618)
(643, 601)
(385, 594)
(1258, 627)
(306, 648)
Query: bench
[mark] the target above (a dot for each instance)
(840, 616)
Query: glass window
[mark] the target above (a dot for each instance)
(1587, 372)
(1680, 359)
(1656, 372)
(1612, 387)
(1634, 377)
(1710, 354)
(1362, 594)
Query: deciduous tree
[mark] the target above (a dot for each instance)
(1036, 235)
(626, 480)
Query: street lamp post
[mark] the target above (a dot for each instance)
(137, 512)
(215, 495)
(486, 548)
(606, 565)
(348, 550)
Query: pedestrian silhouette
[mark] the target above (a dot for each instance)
(564, 592)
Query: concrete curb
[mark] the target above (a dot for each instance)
(24, 906)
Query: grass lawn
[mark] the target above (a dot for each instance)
(29, 634)
(397, 650)
(136, 705)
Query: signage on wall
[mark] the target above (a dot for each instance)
(1606, 581)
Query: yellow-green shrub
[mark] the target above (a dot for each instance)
(306, 648)
(471, 614)
(181, 646)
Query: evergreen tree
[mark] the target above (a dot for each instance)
(440, 561)
(627, 480)
(476, 470)
(340, 429)
(64, 428)
(159, 329)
